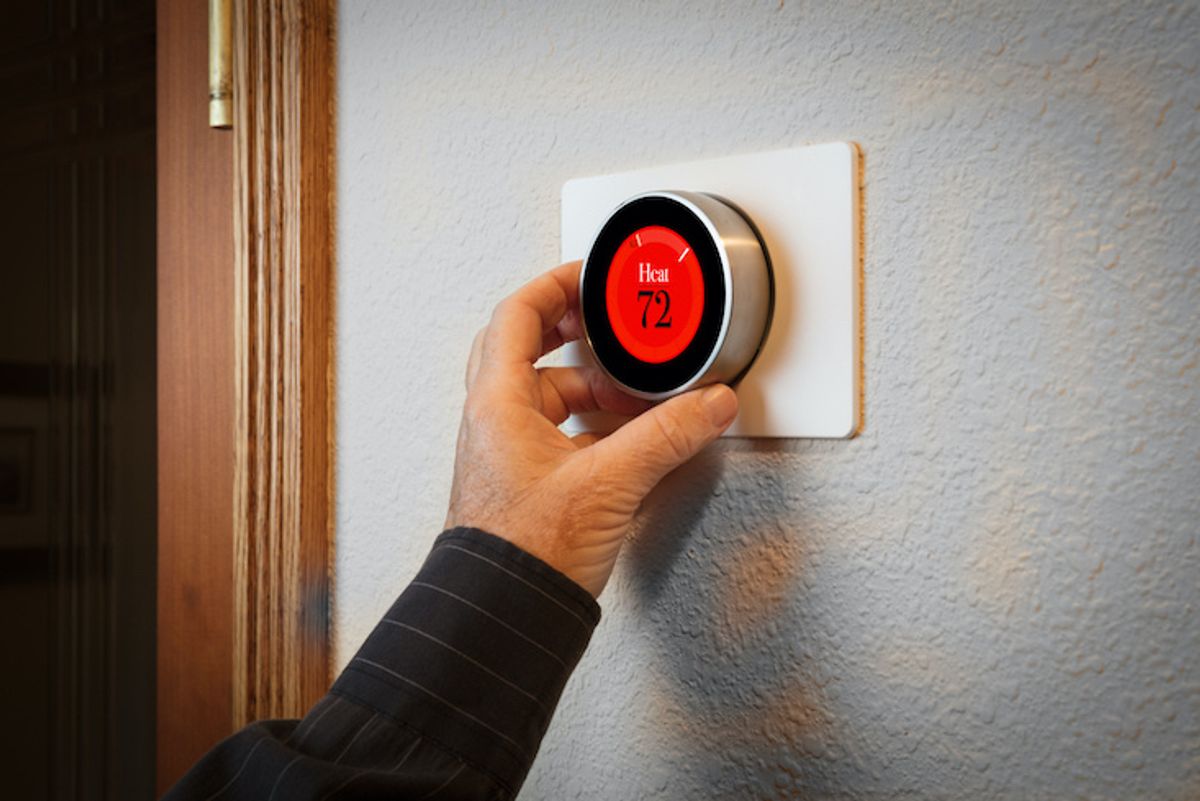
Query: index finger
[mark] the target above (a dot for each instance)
(522, 319)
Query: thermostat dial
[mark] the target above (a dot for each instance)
(676, 292)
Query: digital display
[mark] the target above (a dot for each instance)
(655, 294)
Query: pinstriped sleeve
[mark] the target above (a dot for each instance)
(475, 652)
(448, 699)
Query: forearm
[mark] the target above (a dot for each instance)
(451, 694)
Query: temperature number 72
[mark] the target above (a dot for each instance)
(658, 297)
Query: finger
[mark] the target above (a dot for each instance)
(571, 390)
(514, 335)
(476, 356)
(656, 442)
(587, 438)
(569, 329)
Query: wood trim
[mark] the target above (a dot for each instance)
(195, 393)
(283, 245)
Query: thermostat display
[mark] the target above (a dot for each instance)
(676, 292)
(655, 294)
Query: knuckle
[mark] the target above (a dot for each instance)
(500, 307)
(475, 357)
(476, 412)
(499, 313)
(600, 478)
(674, 435)
(505, 308)
(477, 342)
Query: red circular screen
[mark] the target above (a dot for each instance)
(655, 294)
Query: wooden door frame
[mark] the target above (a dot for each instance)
(245, 233)
(283, 314)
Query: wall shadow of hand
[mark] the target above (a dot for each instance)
(716, 573)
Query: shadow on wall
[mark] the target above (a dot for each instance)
(717, 569)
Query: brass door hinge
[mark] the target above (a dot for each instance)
(220, 63)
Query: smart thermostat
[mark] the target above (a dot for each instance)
(676, 292)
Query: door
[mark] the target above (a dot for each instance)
(77, 400)
(195, 400)
(244, 326)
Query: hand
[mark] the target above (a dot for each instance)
(567, 500)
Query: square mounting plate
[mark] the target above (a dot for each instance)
(804, 201)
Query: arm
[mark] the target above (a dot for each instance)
(451, 694)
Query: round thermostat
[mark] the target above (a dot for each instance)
(676, 292)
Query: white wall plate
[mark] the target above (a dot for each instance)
(804, 201)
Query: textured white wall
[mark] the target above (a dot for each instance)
(994, 592)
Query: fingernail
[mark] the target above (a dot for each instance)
(720, 403)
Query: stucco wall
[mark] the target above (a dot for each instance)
(994, 591)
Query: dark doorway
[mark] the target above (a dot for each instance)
(77, 399)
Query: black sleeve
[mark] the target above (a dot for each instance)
(448, 698)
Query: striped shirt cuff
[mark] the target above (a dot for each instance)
(475, 652)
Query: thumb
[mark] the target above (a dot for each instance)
(660, 439)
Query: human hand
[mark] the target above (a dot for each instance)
(567, 500)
